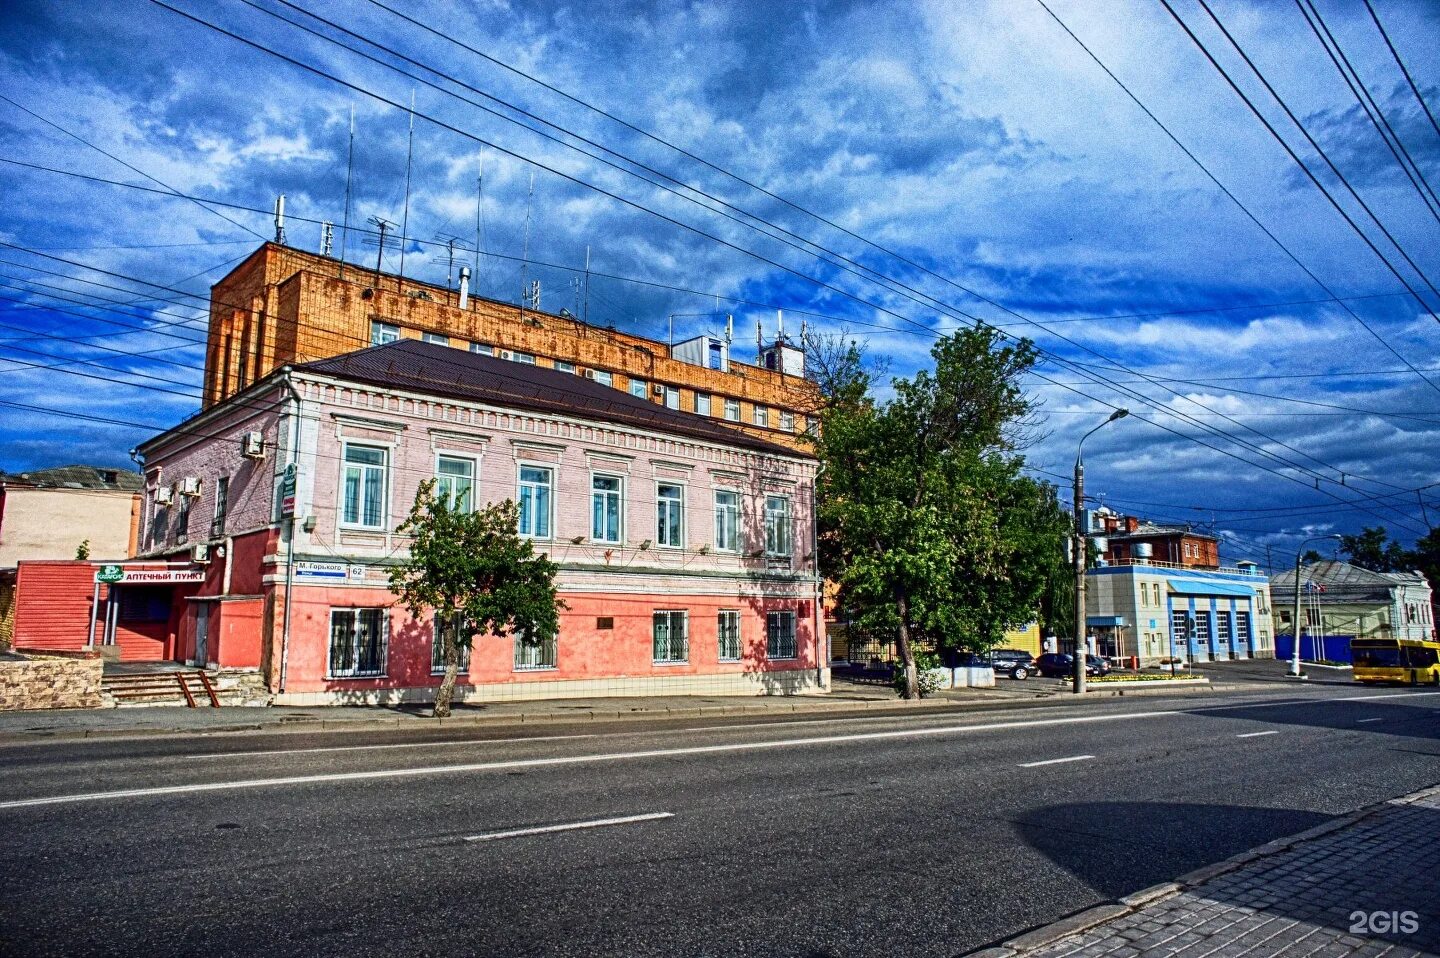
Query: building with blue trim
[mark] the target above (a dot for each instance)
(1152, 611)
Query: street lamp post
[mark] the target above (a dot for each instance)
(1295, 623)
(1081, 650)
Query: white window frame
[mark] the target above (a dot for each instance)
(774, 650)
(671, 617)
(564, 367)
(732, 410)
(384, 467)
(732, 618)
(383, 333)
(619, 494)
(603, 377)
(438, 339)
(524, 359)
(659, 528)
(355, 672)
(672, 397)
(545, 654)
(734, 510)
(760, 416)
(441, 479)
(702, 404)
(787, 420)
(481, 349)
(520, 485)
(640, 389)
(779, 539)
(437, 661)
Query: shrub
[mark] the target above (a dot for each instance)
(927, 682)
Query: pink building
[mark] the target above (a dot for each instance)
(686, 548)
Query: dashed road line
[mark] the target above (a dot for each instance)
(1057, 761)
(572, 826)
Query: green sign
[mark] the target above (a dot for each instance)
(287, 491)
(109, 573)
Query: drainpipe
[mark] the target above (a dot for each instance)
(290, 533)
(819, 611)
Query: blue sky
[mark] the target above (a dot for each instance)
(1013, 179)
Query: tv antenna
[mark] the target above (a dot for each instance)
(452, 243)
(380, 242)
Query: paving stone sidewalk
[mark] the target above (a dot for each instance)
(1366, 884)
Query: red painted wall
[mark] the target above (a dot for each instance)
(52, 604)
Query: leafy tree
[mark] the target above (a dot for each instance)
(1372, 549)
(474, 569)
(926, 523)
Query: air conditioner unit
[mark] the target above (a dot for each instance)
(589, 374)
(189, 486)
(506, 354)
(164, 496)
(252, 445)
(657, 389)
(200, 552)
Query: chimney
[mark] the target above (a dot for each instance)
(464, 287)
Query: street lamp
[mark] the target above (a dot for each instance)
(1081, 650)
(1295, 624)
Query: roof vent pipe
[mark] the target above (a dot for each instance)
(464, 287)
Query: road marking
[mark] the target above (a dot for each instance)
(573, 826)
(363, 748)
(1382, 695)
(398, 773)
(1362, 721)
(1057, 761)
(1258, 734)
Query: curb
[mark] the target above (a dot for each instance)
(1045, 935)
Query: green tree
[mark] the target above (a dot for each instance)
(926, 523)
(1373, 549)
(82, 551)
(472, 568)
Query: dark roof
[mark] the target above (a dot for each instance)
(77, 477)
(447, 371)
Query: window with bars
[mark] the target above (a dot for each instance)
(357, 643)
(728, 631)
(444, 627)
(780, 635)
(670, 630)
(670, 515)
(534, 655)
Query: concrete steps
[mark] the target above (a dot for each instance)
(179, 687)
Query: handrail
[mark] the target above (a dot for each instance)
(185, 687)
(1161, 564)
(209, 689)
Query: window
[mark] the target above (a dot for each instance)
(811, 425)
(762, 416)
(671, 635)
(602, 377)
(702, 403)
(159, 525)
(455, 482)
(564, 367)
(787, 421)
(672, 398)
(606, 493)
(363, 485)
(482, 350)
(780, 635)
(727, 521)
(524, 359)
(604, 622)
(532, 656)
(728, 629)
(639, 389)
(357, 643)
(715, 356)
(444, 626)
(732, 410)
(222, 496)
(435, 338)
(536, 483)
(777, 526)
(1242, 628)
(382, 333)
(182, 520)
(669, 514)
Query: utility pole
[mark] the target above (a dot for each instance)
(1082, 651)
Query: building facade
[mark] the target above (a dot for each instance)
(1153, 611)
(1130, 538)
(685, 547)
(285, 306)
(1340, 601)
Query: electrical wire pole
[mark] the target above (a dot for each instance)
(1082, 651)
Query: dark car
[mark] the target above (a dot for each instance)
(1016, 663)
(1061, 665)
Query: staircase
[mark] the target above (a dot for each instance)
(194, 688)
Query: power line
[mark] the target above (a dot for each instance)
(1403, 69)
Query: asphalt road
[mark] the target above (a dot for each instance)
(888, 835)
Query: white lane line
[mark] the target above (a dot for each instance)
(1382, 695)
(573, 826)
(1057, 761)
(396, 773)
(1362, 721)
(1258, 734)
(368, 748)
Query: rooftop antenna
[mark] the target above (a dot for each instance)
(479, 205)
(525, 253)
(532, 295)
(384, 226)
(729, 329)
(759, 340)
(451, 243)
(405, 216)
(349, 175)
(327, 238)
(780, 325)
(585, 312)
(280, 219)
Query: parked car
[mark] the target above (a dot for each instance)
(1016, 663)
(1060, 665)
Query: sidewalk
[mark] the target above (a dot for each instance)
(1365, 884)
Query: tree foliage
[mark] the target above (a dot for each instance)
(927, 524)
(471, 567)
(1373, 549)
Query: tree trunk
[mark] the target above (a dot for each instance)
(907, 654)
(452, 668)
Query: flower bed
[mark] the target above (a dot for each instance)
(1157, 677)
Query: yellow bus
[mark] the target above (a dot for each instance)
(1396, 660)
